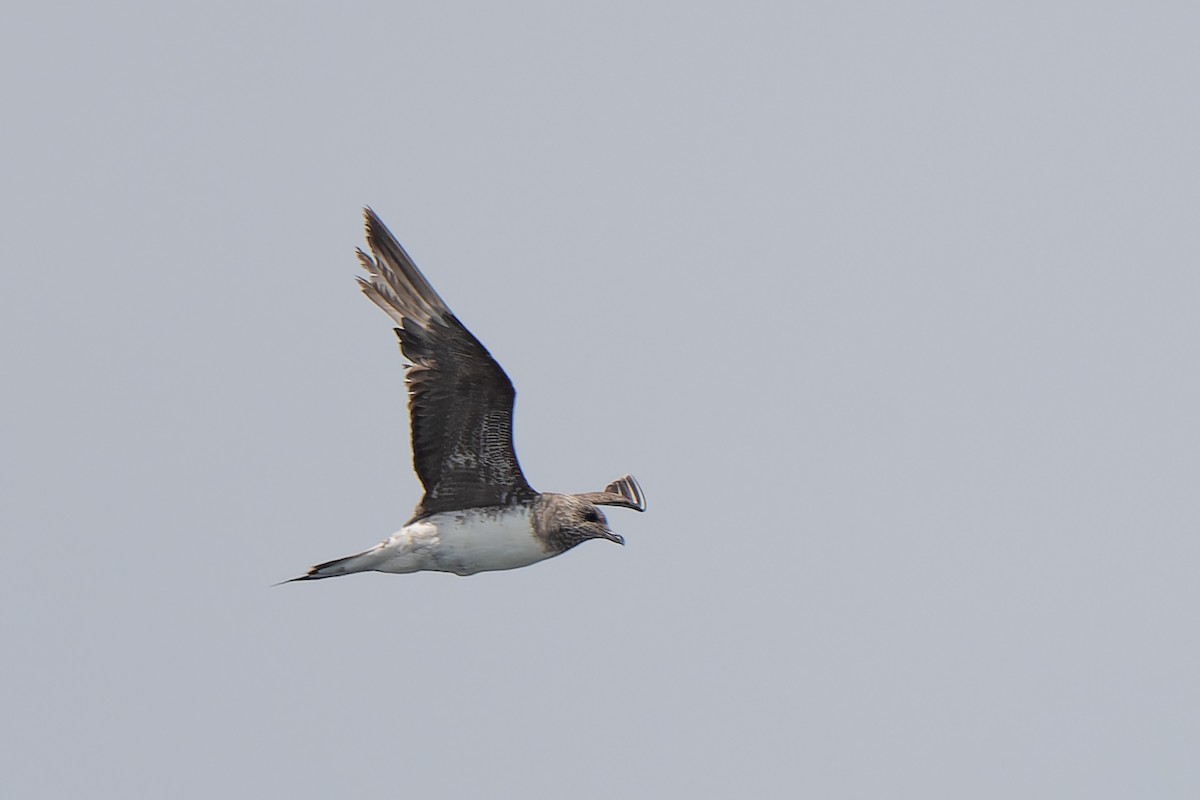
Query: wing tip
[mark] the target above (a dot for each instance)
(625, 492)
(628, 487)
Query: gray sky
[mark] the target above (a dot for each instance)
(892, 309)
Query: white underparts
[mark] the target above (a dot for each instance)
(462, 542)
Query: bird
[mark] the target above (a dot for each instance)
(477, 513)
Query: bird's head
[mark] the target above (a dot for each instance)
(571, 520)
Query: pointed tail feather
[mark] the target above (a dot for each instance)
(359, 562)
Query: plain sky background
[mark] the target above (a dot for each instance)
(891, 308)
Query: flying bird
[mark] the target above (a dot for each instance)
(478, 512)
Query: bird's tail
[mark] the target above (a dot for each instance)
(365, 561)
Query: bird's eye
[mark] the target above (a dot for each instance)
(591, 515)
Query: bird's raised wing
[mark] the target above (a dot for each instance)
(459, 399)
(624, 492)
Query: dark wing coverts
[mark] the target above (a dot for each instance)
(460, 400)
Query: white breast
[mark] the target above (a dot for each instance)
(465, 542)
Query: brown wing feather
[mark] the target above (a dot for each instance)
(460, 400)
(624, 491)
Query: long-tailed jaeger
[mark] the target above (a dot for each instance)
(478, 512)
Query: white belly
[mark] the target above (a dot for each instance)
(464, 542)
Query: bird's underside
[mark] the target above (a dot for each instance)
(478, 513)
